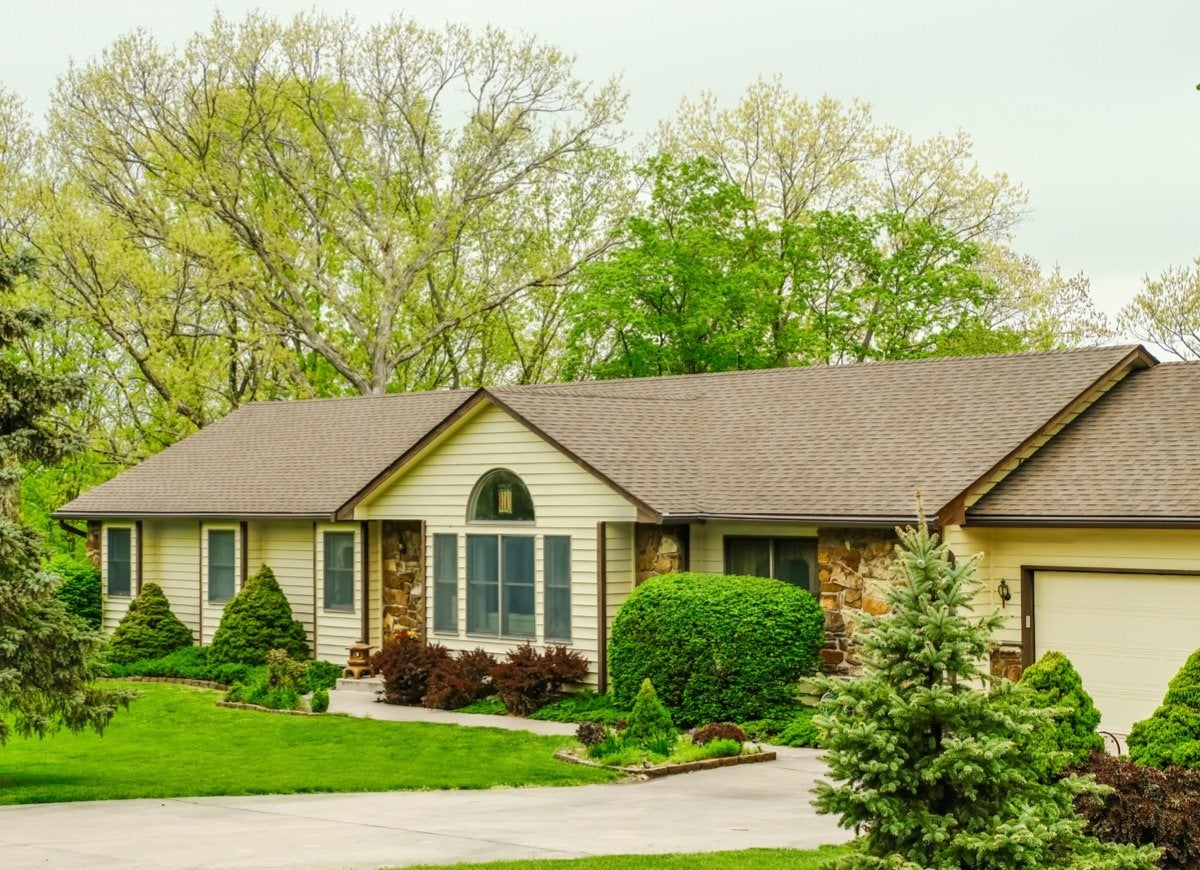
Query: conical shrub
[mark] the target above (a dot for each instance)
(257, 620)
(148, 630)
(1172, 735)
(1053, 683)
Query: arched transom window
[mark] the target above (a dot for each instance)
(500, 496)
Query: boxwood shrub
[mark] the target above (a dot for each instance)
(1053, 683)
(1172, 734)
(717, 647)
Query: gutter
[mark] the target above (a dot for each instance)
(1082, 522)
(827, 520)
(70, 529)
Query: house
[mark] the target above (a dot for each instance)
(495, 516)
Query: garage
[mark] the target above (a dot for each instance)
(1126, 633)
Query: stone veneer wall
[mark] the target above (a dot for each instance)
(659, 549)
(92, 543)
(855, 566)
(402, 577)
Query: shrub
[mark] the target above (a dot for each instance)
(321, 675)
(277, 686)
(527, 679)
(717, 647)
(149, 629)
(456, 682)
(718, 731)
(256, 620)
(1172, 735)
(189, 663)
(590, 733)
(795, 728)
(79, 588)
(406, 664)
(1053, 683)
(723, 747)
(1145, 807)
(583, 706)
(320, 701)
(649, 719)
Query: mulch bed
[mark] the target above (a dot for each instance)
(668, 769)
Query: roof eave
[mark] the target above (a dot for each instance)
(860, 521)
(1076, 521)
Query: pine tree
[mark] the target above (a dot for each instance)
(46, 656)
(929, 752)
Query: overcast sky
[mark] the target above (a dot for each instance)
(1091, 105)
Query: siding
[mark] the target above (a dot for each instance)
(708, 539)
(286, 547)
(1005, 550)
(567, 500)
(172, 560)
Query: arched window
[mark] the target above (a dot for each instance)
(500, 496)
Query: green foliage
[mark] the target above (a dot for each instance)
(148, 630)
(717, 647)
(1052, 683)
(1172, 734)
(188, 663)
(650, 720)
(278, 687)
(932, 769)
(793, 728)
(528, 680)
(321, 675)
(256, 620)
(583, 706)
(320, 701)
(79, 588)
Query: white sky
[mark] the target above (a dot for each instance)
(1091, 104)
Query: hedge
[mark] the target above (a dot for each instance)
(717, 647)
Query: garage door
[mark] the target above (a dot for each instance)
(1127, 634)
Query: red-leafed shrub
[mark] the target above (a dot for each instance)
(718, 731)
(1147, 806)
(458, 681)
(528, 679)
(406, 665)
(591, 733)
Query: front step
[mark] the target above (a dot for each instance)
(362, 684)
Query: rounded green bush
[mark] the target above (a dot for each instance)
(148, 630)
(320, 701)
(1172, 735)
(717, 647)
(80, 587)
(1053, 683)
(257, 620)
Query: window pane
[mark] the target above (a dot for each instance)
(557, 557)
(748, 556)
(796, 562)
(483, 586)
(445, 582)
(518, 586)
(339, 571)
(501, 496)
(120, 563)
(220, 565)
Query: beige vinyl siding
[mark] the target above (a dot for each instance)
(568, 500)
(621, 572)
(286, 547)
(212, 611)
(1005, 550)
(337, 629)
(708, 539)
(374, 586)
(171, 559)
(113, 607)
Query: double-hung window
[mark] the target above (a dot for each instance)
(339, 570)
(500, 585)
(445, 582)
(119, 561)
(556, 566)
(222, 565)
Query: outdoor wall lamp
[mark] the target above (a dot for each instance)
(1004, 592)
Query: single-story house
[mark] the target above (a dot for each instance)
(495, 516)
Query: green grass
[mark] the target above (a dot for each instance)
(174, 741)
(776, 859)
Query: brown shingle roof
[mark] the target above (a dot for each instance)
(841, 443)
(1133, 457)
(273, 459)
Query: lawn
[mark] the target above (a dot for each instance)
(776, 859)
(174, 741)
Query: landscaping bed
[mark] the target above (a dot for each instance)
(653, 771)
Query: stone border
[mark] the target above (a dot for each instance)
(238, 705)
(179, 681)
(671, 769)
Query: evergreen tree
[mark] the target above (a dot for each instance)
(148, 630)
(46, 656)
(257, 620)
(1054, 684)
(935, 771)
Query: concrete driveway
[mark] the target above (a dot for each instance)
(765, 805)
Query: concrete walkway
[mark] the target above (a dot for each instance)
(758, 805)
(363, 703)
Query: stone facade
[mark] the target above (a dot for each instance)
(660, 550)
(92, 543)
(402, 577)
(1007, 660)
(856, 567)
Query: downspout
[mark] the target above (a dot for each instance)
(243, 526)
(602, 605)
(71, 530)
(138, 534)
(200, 579)
(315, 610)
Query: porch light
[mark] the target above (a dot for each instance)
(504, 499)
(1004, 592)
